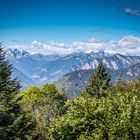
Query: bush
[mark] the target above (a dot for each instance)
(114, 117)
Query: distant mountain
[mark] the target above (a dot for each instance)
(75, 82)
(16, 53)
(25, 81)
(49, 68)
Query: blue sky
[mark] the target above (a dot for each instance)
(68, 20)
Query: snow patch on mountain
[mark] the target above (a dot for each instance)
(48, 68)
(86, 66)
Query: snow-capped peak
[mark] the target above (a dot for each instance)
(16, 53)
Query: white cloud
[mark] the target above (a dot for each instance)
(126, 45)
(134, 12)
(129, 45)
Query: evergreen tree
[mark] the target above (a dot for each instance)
(99, 82)
(12, 121)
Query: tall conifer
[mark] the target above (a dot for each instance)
(98, 82)
(12, 120)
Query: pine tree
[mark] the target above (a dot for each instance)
(12, 121)
(99, 82)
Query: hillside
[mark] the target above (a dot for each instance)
(76, 81)
(40, 69)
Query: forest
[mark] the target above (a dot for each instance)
(102, 111)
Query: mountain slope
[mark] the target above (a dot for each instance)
(76, 81)
(25, 81)
(41, 69)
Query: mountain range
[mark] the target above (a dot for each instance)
(39, 69)
(73, 83)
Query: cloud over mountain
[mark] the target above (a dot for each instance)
(126, 45)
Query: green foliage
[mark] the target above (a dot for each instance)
(99, 83)
(43, 113)
(43, 104)
(108, 116)
(114, 117)
(12, 120)
(128, 86)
